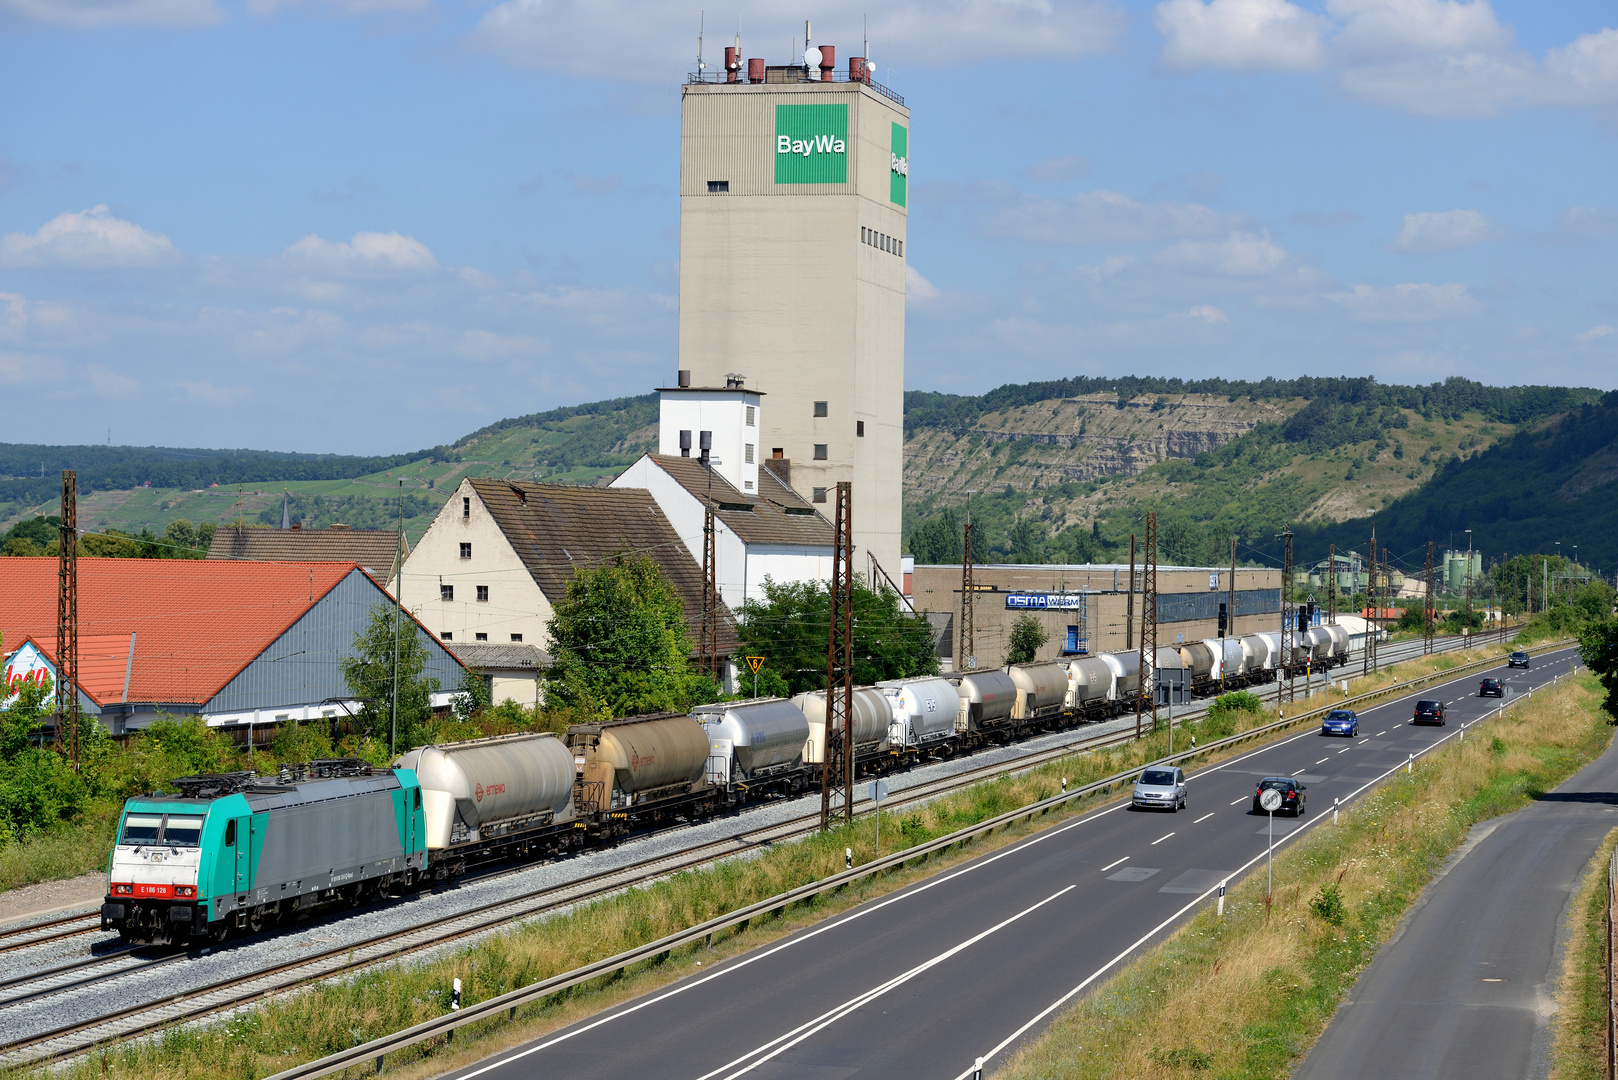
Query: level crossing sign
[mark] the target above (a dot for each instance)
(755, 662)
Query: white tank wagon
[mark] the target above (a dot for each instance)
(1320, 646)
(755, 744)
(924, 712)
(1125, 668)
(873, 716)
(1266, 648)
(485, 795)
(1227, 659)
(640, 766)
(1339, 643)
(1041, 690)
(987, 698)
(1170, 668)
(1090, 686)
(1200, 661)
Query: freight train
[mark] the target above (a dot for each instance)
(239, 852)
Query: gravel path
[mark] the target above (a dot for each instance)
(33, 902)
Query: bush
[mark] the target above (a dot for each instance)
(1328, 904)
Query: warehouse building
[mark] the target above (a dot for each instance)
(1091, 608)
(793, 206)
(242, 644)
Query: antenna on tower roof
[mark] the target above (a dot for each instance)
(702, 19)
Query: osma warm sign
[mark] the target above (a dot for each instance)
(811, 144)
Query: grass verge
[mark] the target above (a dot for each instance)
(1579, 1051)
(344, 1013)
(1246, 996)
(80, 848)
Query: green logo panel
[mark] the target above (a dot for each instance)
(899, 167)
(811, 144)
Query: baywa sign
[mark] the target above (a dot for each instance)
(811, 144)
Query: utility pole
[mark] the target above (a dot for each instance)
(837, 768)
(67, 621)
(709, 643)
(1369, 655)
(1147, 656)
(1129, 599)
(1468, 601)
(1289, 629)
(1331, 585)
(1230, 604)
(398, 620)
(968, 655)
(1429, 606)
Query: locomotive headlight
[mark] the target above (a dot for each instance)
(185, 890)
(123, 890)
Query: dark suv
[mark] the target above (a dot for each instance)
(1491, 688)
(1292, 795)
(1429, 712)
(1518, 659)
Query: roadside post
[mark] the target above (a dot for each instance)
(1270, 802)
(879, 791)
(755, 662)
(1222, 885)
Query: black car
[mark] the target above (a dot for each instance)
(1491, 688)
(1518, 659)
(1429, 712)
(1292, 795)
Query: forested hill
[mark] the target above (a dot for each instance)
(1556, 481)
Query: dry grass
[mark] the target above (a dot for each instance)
(1580, 1049)
(1247, 996)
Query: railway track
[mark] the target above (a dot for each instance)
(40, 933)
(76, 1038)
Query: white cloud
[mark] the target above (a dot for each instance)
(1448, 230)
(368, 253)
(486, 345)
(1207, 313)
(1058, 170)
(206, 393)
(1582, 222)
(1596, 333)
(87, 240)
(643, 40)
(1240, 254)
(1240, 35)
(339, 7)
(917, 288)
(88, 14)
(110, 384)
(1431, 57)
(1409, 303)
(1103, 217)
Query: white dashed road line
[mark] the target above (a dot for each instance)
(1110, 865)
(1203, 818)
(1160, 839)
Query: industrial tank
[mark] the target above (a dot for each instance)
(763, 733)
(872, 718)
(641, 753)
(1339, 641)
(1125, 667)
(1041, 688)
(1266, 646)
(1090, 679)
(486, 782)
(924, 710)
(1320, 644)
(1227, 657)
(987, 698)
(1199, 660)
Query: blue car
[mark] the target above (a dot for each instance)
(1341, 722)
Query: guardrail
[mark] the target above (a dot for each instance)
(508, 1003)
(1612, 981)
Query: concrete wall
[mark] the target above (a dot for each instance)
(725, 414)
(515, 605)
(777, 285)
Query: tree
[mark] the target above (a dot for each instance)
(369, 673)
(621, 644)
(1598, 647)
(1027, 638)
(789, 628)
(941, 540)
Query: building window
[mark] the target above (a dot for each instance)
(719, 187)
(862, 234)
(481, 637)
(779, 453)
(819, 495)
(747, 454)
(1072, 639)
(466, 506)
(859, 430)
(447, 636)
(747, 484)
(516, 639)
(820, 451)
(466, 551)
(483, 593)
(901, 251)
(751, 411)
(446, 592)
(820, 408)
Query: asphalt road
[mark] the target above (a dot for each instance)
(975, 959)
(1465, 989)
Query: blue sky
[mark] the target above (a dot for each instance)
(375, 225)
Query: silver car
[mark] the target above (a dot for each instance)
(1161, 787)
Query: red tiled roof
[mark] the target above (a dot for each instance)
(197, 623)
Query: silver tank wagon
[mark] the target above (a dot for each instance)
(1090, 680)
(924, 711)
(485, 788)
(764, 735)
(987, 698)
(872, 718)
(1042, 689)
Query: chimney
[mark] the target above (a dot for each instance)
(685, 442)
(828, 62)
(781, 469)
(286, 510)
(857, 70)
(685, 378)
(731, 64)
(705, 444)
(755, 70)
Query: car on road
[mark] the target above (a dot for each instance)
(1429, 712)
(1491, 688)
(1518, 659)
(1161, 788)
(1341, 722)
(1292, 794)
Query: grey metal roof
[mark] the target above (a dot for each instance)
(486, 657)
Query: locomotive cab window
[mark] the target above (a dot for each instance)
(418, 798)
(183, 830)
(230, 834)
(142, 828)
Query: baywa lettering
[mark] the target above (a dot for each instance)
(901, 165)
(820, 144)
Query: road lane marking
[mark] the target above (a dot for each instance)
(1344, 750)
(1363, 741)
(1110, 865)
(1205, 817)
(1160, 839)
(1239, 801)
(1322, 761)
